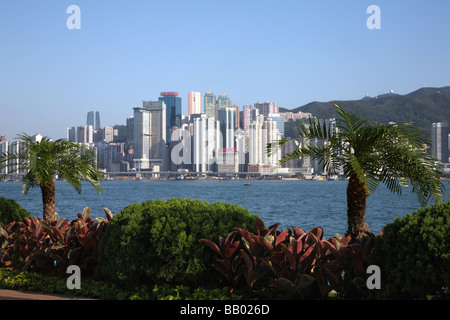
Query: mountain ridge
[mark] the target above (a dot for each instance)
(422, 107)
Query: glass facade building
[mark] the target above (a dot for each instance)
(209, 101)
(279, 120)
(93, 119)
(173, 110)
(226, 118)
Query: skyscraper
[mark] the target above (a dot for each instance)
(209, 102)
(195, 102)
(246, 109)
(261, 132)
(237, 116)
(130, 128)
(439, 141)
(93, 119)
(173, 110)
(205, 143)
(223, 101)
(81, 134)
(266, 107)
(227, 117)
(149, 134)
(279, 121)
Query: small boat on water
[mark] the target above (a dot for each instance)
(247, 184)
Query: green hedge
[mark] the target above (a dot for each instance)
(11, 211)
(157, 242)
(414, 255)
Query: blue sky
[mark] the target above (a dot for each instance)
(290, 52)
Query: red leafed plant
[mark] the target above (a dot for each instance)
(293, 263)
(49, 247)
(83, 239)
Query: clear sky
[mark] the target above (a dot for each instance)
(290, 52)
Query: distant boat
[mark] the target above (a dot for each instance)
(247, 184)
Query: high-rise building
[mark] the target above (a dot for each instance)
(227, 117)
(81, 134)
(279, 121)
(14, 166)
(93, 119)
(246, 109)
(205, 143)
(130, 128)
(195, 102)
(3, 149)
(439, 141)
(266, 107)
(209, 102)
(223, 101)
(236, 116)
(173, 110)
(261, 132)
(149, 134)
(107, 133)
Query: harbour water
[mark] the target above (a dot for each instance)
(303, 204)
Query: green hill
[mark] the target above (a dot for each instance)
(422, 107)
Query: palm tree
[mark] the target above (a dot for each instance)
(42, 160)
(369, 153)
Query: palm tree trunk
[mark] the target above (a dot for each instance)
(356, 206)
(48, 200)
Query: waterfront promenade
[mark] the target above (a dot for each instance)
(23, 295)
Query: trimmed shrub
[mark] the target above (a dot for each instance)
(414, 255)
(11, 211)
(158, 242)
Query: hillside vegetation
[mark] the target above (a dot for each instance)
(421, 107)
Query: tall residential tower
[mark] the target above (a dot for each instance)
(195, 102)
(439, 141)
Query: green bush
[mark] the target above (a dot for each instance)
(158, 242)
(11, 211)
(414, 255)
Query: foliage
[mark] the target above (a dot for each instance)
(292, 264)
(31, 281)
(37, 245)
(156, 242)
(42, 160)
(10, 211)
(370, 153)
(414, 255)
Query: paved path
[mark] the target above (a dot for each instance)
(23, 295)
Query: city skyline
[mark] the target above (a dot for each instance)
(291, 54)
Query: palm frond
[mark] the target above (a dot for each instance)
(348, 121)
(377, 153)
(43, 159)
